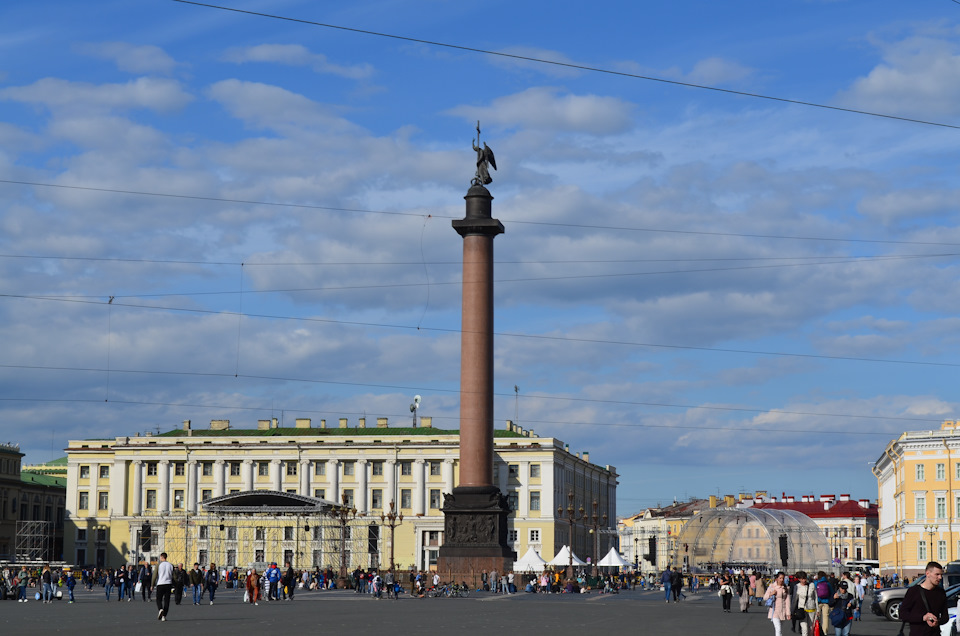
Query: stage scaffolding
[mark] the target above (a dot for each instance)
(34, 543)
(230, 534)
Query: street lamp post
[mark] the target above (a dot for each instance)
(391, 520)
(931, 529)
(100, 531)
(343, 514)
(636, 554)
(595, 519)
(572, 515)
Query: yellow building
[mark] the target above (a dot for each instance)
(240, 496)
(918, 478)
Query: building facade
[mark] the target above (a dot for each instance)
(202, 494)
(918, 479)
(32, 507)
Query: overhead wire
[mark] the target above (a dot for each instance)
(227, 375)
(504, 334)
(580, 67)
(579, 226)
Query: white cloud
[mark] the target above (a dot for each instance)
(162, 95)
(919, 77)
(296, 55)
(908, 204)
(549, 108)
(715, 71)
(130, 57)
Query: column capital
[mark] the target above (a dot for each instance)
(333, 462)
(363, 461)
(420, 460)
(219, 461)
(138, 462)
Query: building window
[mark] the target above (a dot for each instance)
(291, 468)
(941, 472)
(405, 498)
(435, 498)
(942, 550)
(534, 471)
(258, 535)
(348, 497)
(406, 467)
(84, 501)
(258, 556)
(85, 472)
(920, 507)
(859, 553)
(512, 536)
(941, 506)
(514, 500)
(104, 471)
(377, 467)
(535, 535)
(81, 534)
(231, 533)
(435, 468)
(103, 501)
(921, 550)
(151, 469)
(859, 532)
(202, 557)
(204, 532)
(348, 468)
(376, 499)
(320, 468)
(151, 500)
(179, 469)
(513, 470)
(288, 533)
(207, 469)
(234, 469)
(535, 500)
(231, 558)
(318, 533)
(178, 500)
(319, 493)
(205, 495)
(920, 476)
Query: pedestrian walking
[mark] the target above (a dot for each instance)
(777, 599)
(726, 594)
(212, 580)
(253, 586)
(924, 606)
(162, 580)
(196, 580)
(804, 604)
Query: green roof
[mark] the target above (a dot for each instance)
(323, 432)
(60, 461)
(43, 480)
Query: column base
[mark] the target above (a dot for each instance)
(475, 535)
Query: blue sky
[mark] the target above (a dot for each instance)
(710, 292)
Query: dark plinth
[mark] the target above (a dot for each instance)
(475, 534)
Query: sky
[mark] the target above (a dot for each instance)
(208, 214)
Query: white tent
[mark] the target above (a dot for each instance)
(613, 559)
(563, 558)
(529, 562)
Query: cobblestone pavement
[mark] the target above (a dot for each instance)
(347, 612)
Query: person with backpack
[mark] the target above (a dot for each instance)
(212, 579)
(824, 594)
(841, 609)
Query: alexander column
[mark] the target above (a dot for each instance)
(475, 513)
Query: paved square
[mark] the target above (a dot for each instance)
(346, 612)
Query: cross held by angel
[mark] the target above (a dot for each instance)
(484, 158)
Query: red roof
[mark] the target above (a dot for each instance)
(815, 509)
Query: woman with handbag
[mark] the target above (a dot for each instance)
(805, 604)
(726, 593)
(778, 602)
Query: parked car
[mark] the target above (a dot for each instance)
(950, 627)
(886, 602)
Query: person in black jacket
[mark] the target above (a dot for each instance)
(924, 606)
(179, 582)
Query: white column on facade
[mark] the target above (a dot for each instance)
(305, 466)
(276, 472)
(164, 473)
(118, 488)
(390, 472)
(502, 476)
(447, 474)
(333, 477)
(523, 497)
(361, 498)
(73, 476)
(218, 477)
(137, 487)
(249, 466)
(191, 469)
(419, 487)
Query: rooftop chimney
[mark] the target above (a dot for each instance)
(219, 425)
